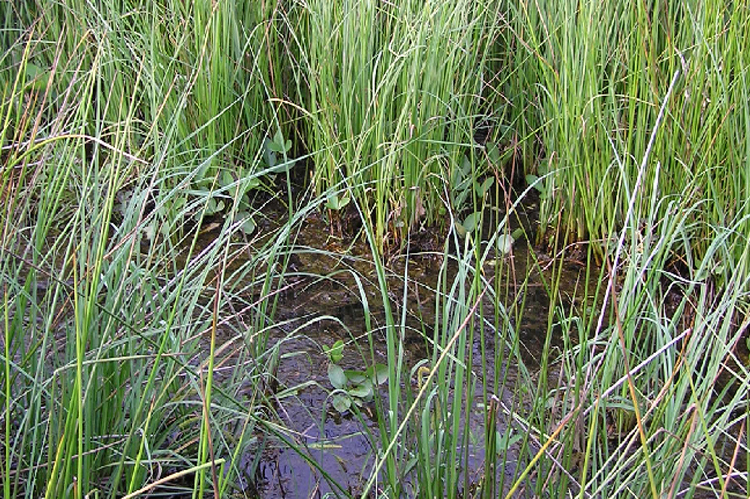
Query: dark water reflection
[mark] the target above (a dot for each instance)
(326, 305)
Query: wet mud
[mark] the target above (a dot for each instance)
(323, 303)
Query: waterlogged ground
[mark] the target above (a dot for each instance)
(324, 304)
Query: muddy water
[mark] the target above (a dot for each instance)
(324, 306)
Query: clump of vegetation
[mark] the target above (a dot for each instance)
(596, 75)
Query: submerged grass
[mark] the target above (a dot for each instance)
(137, 352)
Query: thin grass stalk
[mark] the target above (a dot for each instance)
(628, 216)
(6, 345)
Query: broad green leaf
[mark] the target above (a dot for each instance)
(179, 202)
(355, 377)
(341, 402)
(248, 226)
(332, 202)
(455, 176)
(532, 180)
(460, 197)
(249, 184)
(335, 203)
(268, 154)
(471, 221)
(226, 178)
(213, 206)
(466, 166)
(284, 167)
(278, 144)
(378, 373)
(362, 391)
(485, 187)
(505, 243)
(493, 152)
(252, 183)
(275, 146)
(278, 137)
(36, 77)
(336, 376)
(505, 441)
(344, 201)
(460, 229)
(335, 352)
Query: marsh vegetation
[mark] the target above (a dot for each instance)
(466, 248)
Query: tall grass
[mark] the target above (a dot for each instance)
(639, 373)
(107, 389)
(396, 91)
(651, 396)
(595, 74)
(201, 76)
